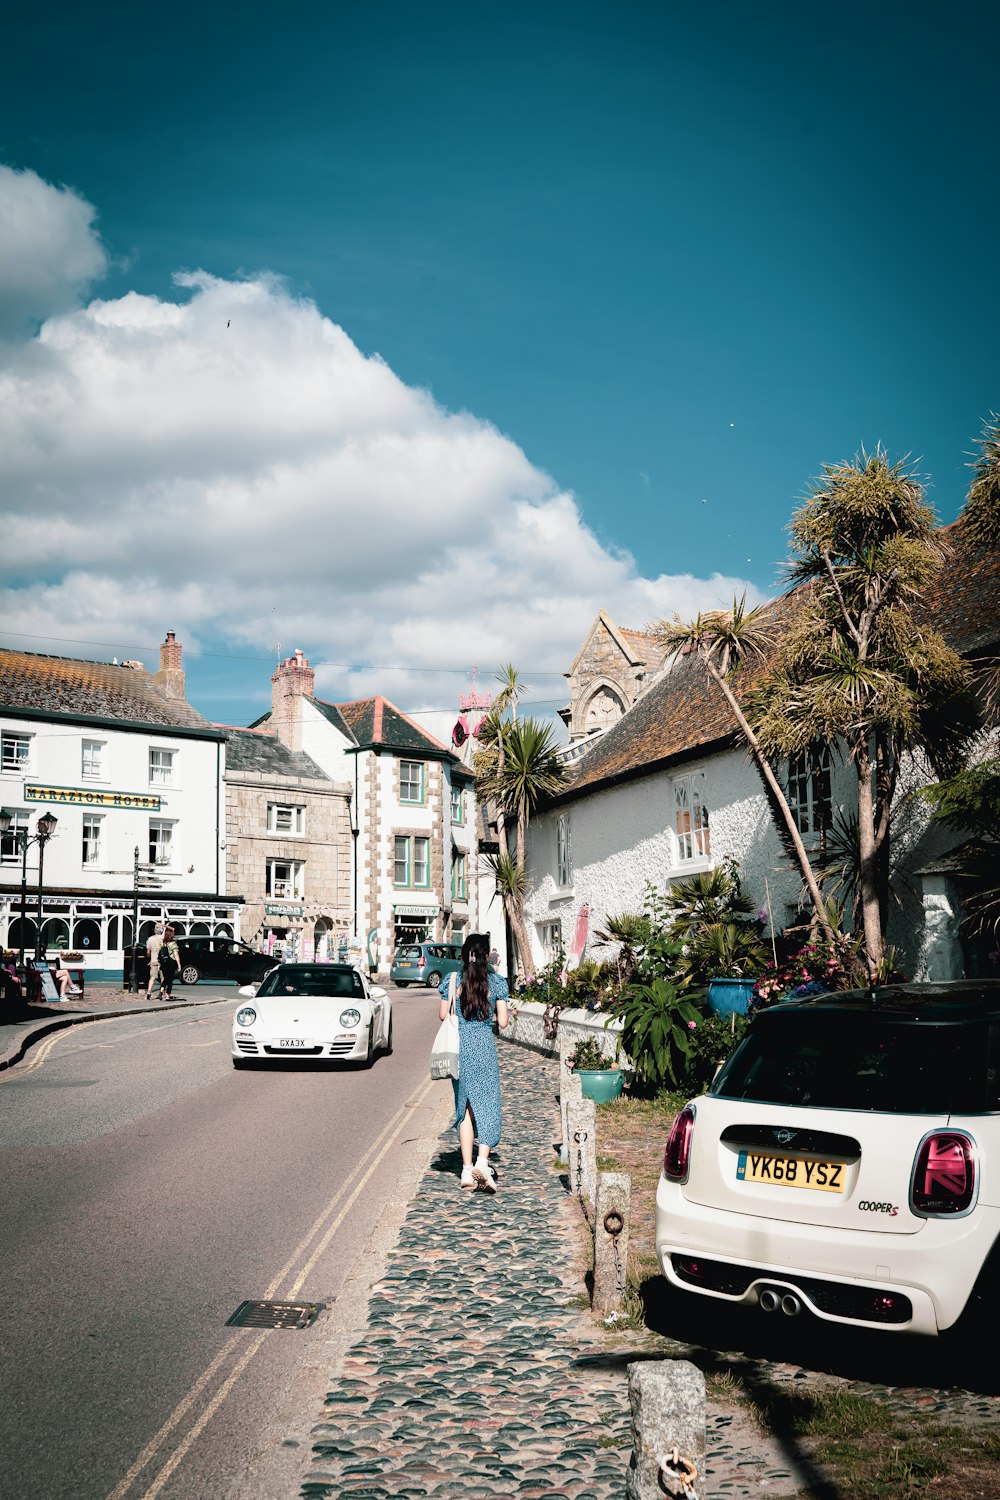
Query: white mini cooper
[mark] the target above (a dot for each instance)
(846, 1161)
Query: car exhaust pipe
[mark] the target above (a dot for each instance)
(790, 1306)
(769, 1300)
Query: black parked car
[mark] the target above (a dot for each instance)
(221, 958)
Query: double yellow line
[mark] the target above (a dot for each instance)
(295, 1271)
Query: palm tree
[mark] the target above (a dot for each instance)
(515, 770)
(856, 666)
(727, 640)
(981, 514)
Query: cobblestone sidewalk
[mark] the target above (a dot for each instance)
(467, 1379)
(481, 1371)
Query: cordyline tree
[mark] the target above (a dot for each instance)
(516, 768)
(730, 643)
(854, 668)
(969, 802)
(858, 667)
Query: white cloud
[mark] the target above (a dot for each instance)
(49, 249)
(232, 466)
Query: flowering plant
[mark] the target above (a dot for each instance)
(587, 1055)
(813, 969)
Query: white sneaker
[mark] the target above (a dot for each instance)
(467, 1180)
(71, 989)
(486, 1178)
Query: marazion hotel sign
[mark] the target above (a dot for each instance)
(89, 797)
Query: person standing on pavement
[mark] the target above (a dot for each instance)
(170, 961)
(153, 949)
(479, 997)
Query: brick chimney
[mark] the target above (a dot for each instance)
(170, 677)
(293, 680)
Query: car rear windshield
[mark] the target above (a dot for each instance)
(835, 1060)
(407, 953)
(322, 980)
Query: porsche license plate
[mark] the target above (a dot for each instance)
(790, 1171)
(291, 1042)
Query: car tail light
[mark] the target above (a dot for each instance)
(678, 1149)
(944, 1175)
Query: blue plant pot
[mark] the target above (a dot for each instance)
(726, 996)
(601, 1084)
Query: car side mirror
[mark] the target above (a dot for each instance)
(248, 991)
(376, 991)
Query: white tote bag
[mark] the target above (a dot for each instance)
(444, 1053)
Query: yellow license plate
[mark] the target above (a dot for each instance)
(790, 1171)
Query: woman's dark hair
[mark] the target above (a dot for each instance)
(168, 934)
(475, 992)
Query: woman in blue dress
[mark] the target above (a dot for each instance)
(479, 996)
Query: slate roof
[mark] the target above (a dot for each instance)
(65, 687)
(965, 601)
(683, 714)
(377, 722)
(333, 715)
(259, 751)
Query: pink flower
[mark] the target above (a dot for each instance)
(692, 1025)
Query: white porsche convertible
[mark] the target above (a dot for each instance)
(312, 1010)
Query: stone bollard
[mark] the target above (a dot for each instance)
(667, 1398)
(570, 1091)
(581, 1144)
(611, 1231)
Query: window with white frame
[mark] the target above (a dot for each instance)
(564, 851)
(15, 752)
(411, 781)
(459, 877)
(91, 838)
(809, 789)
(161, 842)
(411, 860)
(92, 760)
(286, 879)
(162, 764)
(10, 844)
(458, 805)
(691, 836)
(286, 817)
(552, 940)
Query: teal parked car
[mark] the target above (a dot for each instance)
(425, 963)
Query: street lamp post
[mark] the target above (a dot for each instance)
(45, 829)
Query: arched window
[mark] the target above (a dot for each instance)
(604, 708)
(55, 934)
(223, 929)
(14, 938)
(87, 935)
(197, 929)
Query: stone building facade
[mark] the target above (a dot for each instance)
(412, 826)
(288, 847)
(610, 671)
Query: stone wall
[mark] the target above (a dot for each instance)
(527, 1030)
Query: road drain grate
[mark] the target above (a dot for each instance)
(275, 1314)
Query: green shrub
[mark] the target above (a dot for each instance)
(658, 1020)
(711, 1042)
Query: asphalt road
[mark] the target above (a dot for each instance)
(148, 1189)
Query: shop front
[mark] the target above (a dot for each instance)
(100, 927)
(296, 932)
(414, 924)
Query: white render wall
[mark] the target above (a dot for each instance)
(191, 802)
(621, 837)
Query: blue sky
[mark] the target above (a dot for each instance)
(679, 258)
